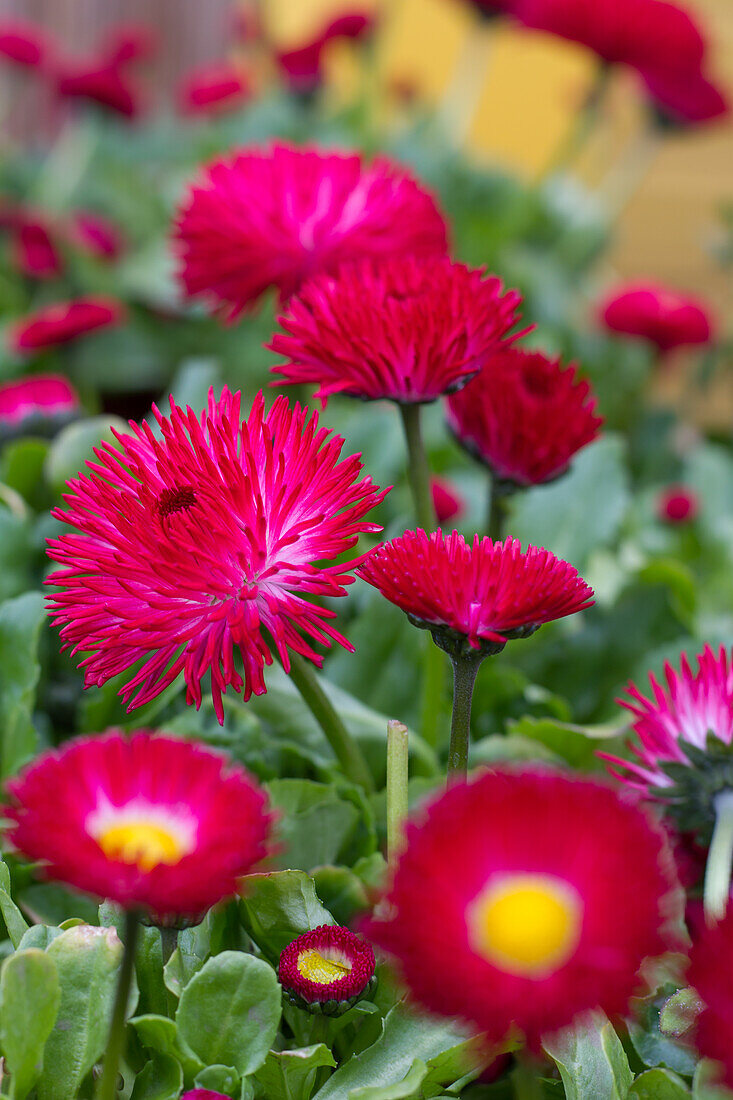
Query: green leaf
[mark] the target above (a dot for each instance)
(222, 1079)
(316, 826)
(679, 1013)
(160, 1034)
(278, 907)
(14, 920)
(74, 447)
(88, 960)
(591, 1060)
(582, 510)
(406, 1036)
(707, 1082)
(160, 1079)
(576, 745)
(229, 1012)
(659, 1084)
(22, 466)
(409, 1086)
(40, 936)
(20, 627)
(16, 552)
(29, 1001)
(292, 1073)
(655, 1048)
(148, 960)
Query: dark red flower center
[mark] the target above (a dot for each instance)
(179, 499)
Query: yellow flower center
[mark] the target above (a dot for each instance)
(145, 843)
(317, 968)
(528, 925)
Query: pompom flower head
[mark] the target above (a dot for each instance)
(148, 821)
(273, 218)
(660, 315)
(507, 911)
(327, 970)
(63, 322)
(405, 329)
(188, 547)
(711, 966)
(524, 416)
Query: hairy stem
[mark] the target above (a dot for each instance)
(418, 470)
(464, 679)
(107, 1088)
(397, 771)
(720, 856)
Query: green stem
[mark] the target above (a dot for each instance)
(525, 1083)
(417, 468)
(433, 674)
(397, 771)
(497, 512)
(107, 1088)
(720, 856)
(168, 942)
(581, 127)
(464, 678)
(347, 752)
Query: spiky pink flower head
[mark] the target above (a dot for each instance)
(327, 964)
(662, 316)
(507, 911)
(148, 821)
(689, 720)
(677, 504)
(709, 974)
(211, 89)
(273, 218)
(24, 43)
(36, 400)
(483, 593)
(96, 235)
(447, 501)
(190, 546)
(63, 322)
(34, 253)
(406, 329)
(524, 416)
(685, 99)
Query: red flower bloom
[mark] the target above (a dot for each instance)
(639, 33)
(447, 501)
(64, 321)
(302, 68)
(101, 82)
(204, 1094)
(273, 218)
(685, 99)
(660, 315)
(506, 910)
(217, 87)
(42, 396)
(148, 821)
(127, 42)
(329, 963)
(96, 235)
(218, 530)
(406, 329)
(694, 706)
(485, 592)
(711, 963)
(24, 43)
(34, 252)
(525, 416)
(677, 504)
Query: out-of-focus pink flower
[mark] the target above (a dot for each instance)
(213, 88)
(301, 67)
(64, 321)
(99, 82)
(447, 501)
(677, 504)
(686, 99)
(661, 315)
(34, 252)
(96, 234)
(24, 43)
(37, 397)
(126, 42)
(711, 962)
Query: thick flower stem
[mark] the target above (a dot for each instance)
(464, 678)
(397, 771)
(107, 1088)
(720, 856)
(348, 753)
(168, 942)
(525, 1083)
(418, 469)
(497, 512)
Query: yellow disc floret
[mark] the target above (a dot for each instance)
(526, 924)
(317, 968)
(145, 843)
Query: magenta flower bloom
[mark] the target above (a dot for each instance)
(188, 547)
(406, 329)
(102, 82)
(711, 963)
(148, 821)
(677, 504)
(327, 969)
(524, 416)
(34, 252)
(302, 67)
(273, 218)
(36, 400)
(96, 235)
(684, 99)
(694, 706)
(63, 322)
(485, 592)
(24, 43)
(662, 316)
(447, 501)
(214, 88)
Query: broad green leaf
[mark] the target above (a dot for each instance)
(707, 1082)
(20, 626)
(291, 1073)
(229, 1012)
(317, 826)
(14, 920)
(88, 961)
(21, 467)
(576, 745)
(74, 446)
(16, 549)
(148, 960)
(160, 1034)
(29, 1001)
(653, 1046)
(40, 936)
(221, 1079)
(409, 1086)
(659, 1084)
(277, 907)
(160, 1079)
(591, 1060)
(406, 1036)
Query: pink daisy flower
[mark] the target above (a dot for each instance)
(506, 911)
(524, 416)
(327, 969)
(63, 322)
(477, 595)
(147, 821)
(406, 329)
(660, 315)
(273, 218)
(189, 546)
(711, 965)
(695, 705)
